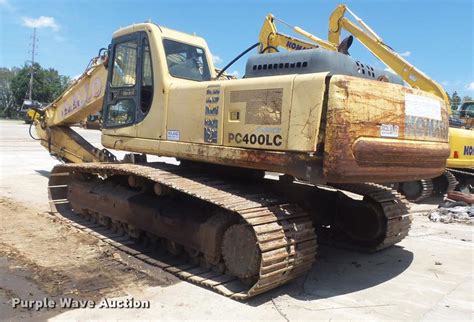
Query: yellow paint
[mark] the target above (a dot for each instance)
(460, 140)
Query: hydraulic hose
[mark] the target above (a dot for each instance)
(235, 59)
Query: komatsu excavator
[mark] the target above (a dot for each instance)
(460, 164)
(329, 125)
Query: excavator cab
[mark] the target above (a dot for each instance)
(129, 91)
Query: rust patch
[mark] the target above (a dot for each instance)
(359, 114)
(387, 152)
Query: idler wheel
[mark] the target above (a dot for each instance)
(241, 253)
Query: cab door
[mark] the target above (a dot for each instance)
(128, 94)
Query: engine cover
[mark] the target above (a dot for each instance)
(314, 61)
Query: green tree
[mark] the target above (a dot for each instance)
(7, 100)
(47, 84)
(455, 100)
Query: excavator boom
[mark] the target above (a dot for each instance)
(375, 44)
(271, 39)
(83, 97)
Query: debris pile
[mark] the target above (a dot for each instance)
(458, 207)
(459, 214)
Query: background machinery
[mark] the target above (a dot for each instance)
(26, 109)
(460, 164)
(93, 121)
(465, 114)
(231, 228)
(461, 161)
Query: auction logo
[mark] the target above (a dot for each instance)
(70, 303)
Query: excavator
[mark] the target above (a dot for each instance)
(459, 172)
(270, 165)
(461, 162)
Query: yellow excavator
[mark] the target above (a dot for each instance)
(329, 126)
(460, 164)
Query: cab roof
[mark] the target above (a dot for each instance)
(163, 32)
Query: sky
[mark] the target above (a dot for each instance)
(435, 36)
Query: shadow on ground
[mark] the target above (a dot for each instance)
(43, 173)
(337, 272)
(433, 200)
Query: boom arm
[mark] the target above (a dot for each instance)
(271, 39)
(382, 51)
(82, 98)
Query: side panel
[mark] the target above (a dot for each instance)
(257, 112)
(306, 112)
(187, 117)
(377, 130)
(263, 113)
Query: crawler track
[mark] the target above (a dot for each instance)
(392, 210)
(366, 217)
(465, 178)
(283, 231)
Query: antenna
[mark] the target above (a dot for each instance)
(33, 48)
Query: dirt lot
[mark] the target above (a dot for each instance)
(427, 276)
(53, 260)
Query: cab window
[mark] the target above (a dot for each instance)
(121, 113)
(186, 61)
(125, 65)
(129, 93)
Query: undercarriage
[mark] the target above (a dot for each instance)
(242, 236)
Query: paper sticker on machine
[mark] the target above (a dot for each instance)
(421, 106)
(172, 135)
(389, 130)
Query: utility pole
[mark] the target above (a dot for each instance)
(33, 46)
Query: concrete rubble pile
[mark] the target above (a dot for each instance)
(459, 214)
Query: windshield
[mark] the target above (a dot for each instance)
(186, 61)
